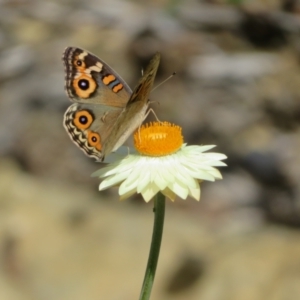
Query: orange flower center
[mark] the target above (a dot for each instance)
(158, 139)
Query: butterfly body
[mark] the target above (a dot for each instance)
(105, 111)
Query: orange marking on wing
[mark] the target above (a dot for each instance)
(83, 119)
(86, 90)
(94, 140)
(79, 64)
(118, 87)
(108, 79)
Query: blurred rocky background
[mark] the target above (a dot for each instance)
(237, 86)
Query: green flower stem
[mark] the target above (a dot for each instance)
(159, 214)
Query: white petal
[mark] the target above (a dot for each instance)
(122, 166)
(113, 180)
(152, 169)
(155, 165)
(203, 175)
(178, 189)
(169, 194)
(150, 191)
(125, 187)
(160, 181)
(144, 180)
(198, 149)
(195, 193)
(199, 174)
(166, 171)
(100, 172)
(183, 175)
(216, 173)
(133, 176)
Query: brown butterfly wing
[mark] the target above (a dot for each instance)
(134, 113)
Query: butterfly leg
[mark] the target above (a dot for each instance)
(150, 110)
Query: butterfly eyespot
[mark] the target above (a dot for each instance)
(84, 86)
(94, 140)
(83, 119)
(79, 65)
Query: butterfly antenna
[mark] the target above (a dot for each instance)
(168, 78)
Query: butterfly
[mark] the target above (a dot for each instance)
(105, 110)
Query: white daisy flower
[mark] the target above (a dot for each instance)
(163, 163)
